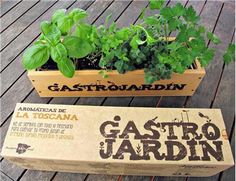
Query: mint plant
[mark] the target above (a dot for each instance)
(69, 41)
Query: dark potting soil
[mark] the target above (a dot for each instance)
(87, 63)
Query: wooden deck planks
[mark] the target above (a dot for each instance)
(102, 177)
(131, 15)
(16, 13)
(230, 174)
(116, 9)
(11, 170)
(24, 21)
(36, 175)
(169, 179)
(62, 176)
(136, 178)
(225, 96)
(4, 177)
(8, 5)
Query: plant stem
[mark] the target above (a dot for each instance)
(166, 33)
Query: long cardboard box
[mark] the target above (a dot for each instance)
(118, 140)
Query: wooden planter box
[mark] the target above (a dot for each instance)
(89, 83)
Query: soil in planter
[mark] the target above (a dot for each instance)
(87, 63)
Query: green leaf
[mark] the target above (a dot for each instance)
(84, 31)
(174, 23)
(58, 52)
(120, 66)
(167, 13)
(112, 27)
(58, 14)
(207, 56)
(182, 35)
(65, 24)
(143, 13)
(213, 38)
(107, 19)
(103, 73)
(156, 4)
(201, 29)
(35, 56)
(123, 34)
(133, 43)
(229, 54)
(152, 21)
(173, 46)
(50, 32)
(77, 47)
(197, 46)
(191, 15)
(178, 10)
(66, 67)
(150, 40)
(77, 14)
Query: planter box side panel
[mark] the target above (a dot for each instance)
(91, 84)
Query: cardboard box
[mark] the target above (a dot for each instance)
(118, 140)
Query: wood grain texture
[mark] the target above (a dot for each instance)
(144, 101)
(37, 175)
(169, 179)
(225, 96)
(102, 177)
(116, 9)
(24, 21)
(131, 15)
(10, 169)
(135, 178)
(63, 176)
(230, 173)
(7, 5)
(16, 12)
(4, 177)
(190, 79)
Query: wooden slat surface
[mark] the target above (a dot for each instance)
(24, 21)
(4, 177)
(16, 13)
(7, 6)
(216, 90)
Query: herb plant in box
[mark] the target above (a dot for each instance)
(74, 58)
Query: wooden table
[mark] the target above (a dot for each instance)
(20, 27)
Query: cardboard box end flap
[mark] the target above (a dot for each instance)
(118, 140)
